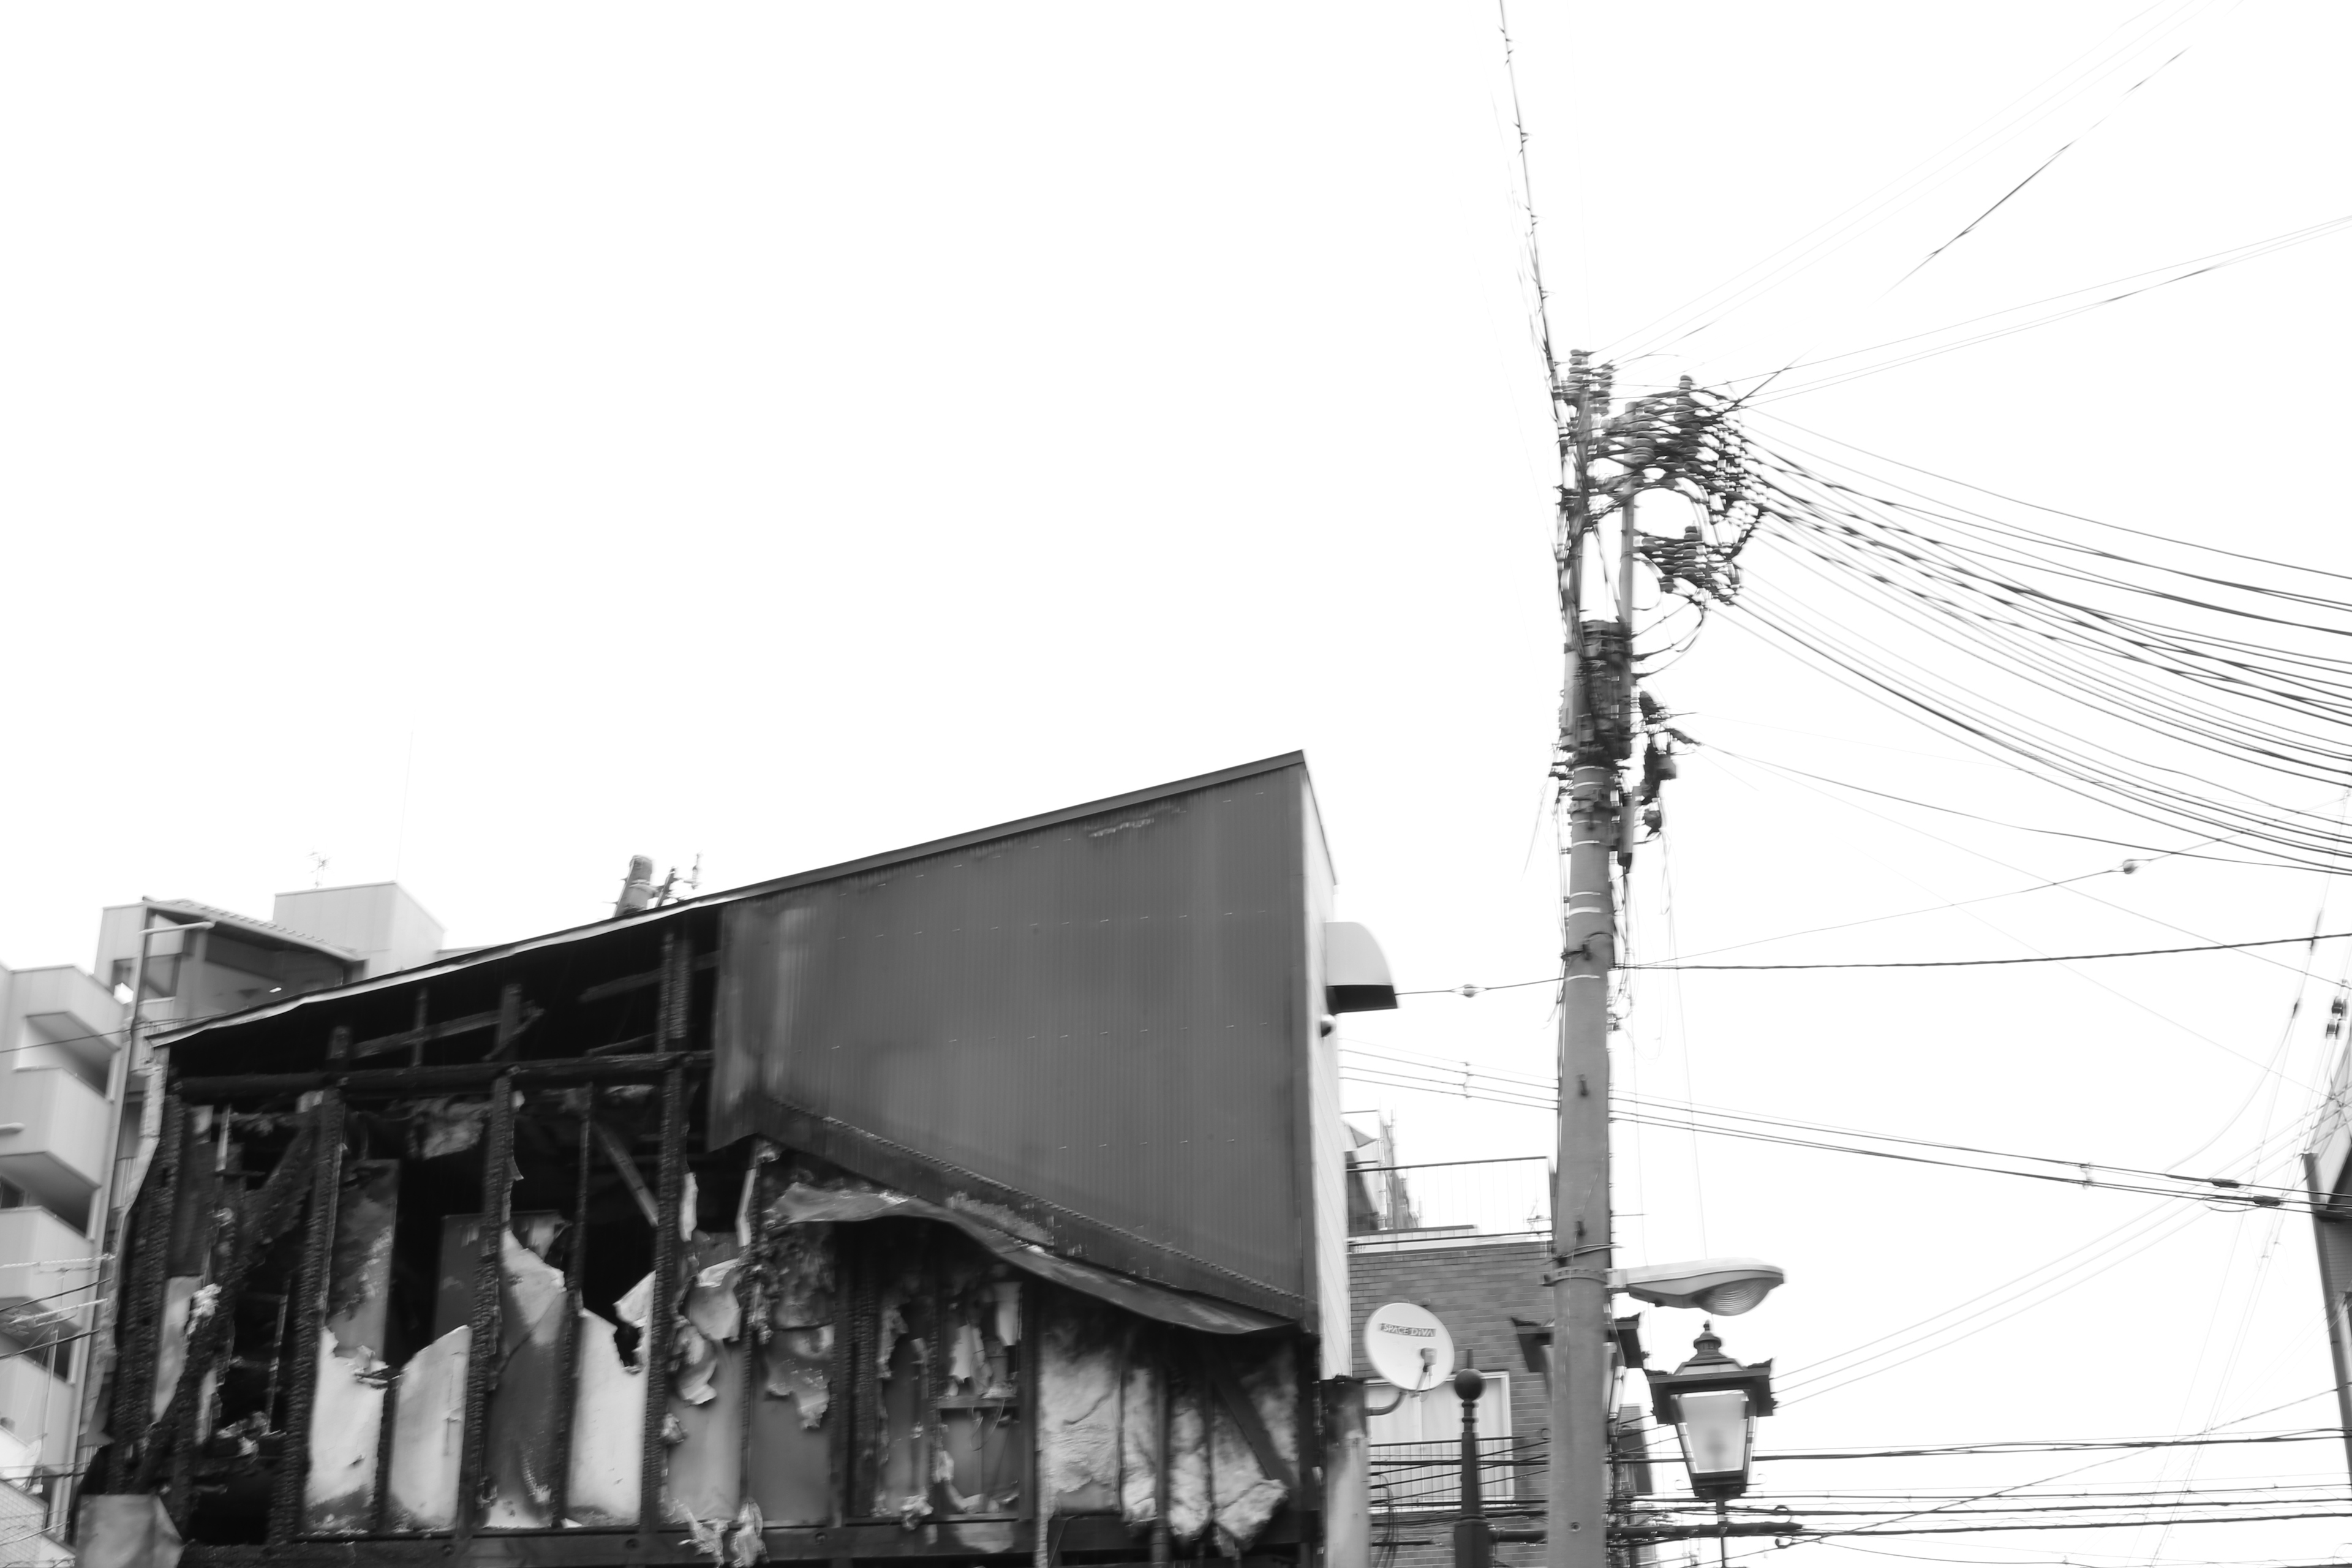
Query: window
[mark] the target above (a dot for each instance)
(162, 978)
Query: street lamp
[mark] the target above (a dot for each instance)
(1713, 1402)
(1722, 1287)
(1474, 1546)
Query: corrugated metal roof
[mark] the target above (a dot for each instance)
(487, 955)
(252, 926)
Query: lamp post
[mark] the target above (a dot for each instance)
(1473, 1545)
(1713, 1402)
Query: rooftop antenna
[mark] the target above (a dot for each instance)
(667, 893)
(318, 868)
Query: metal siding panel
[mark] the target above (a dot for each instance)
(1325, 1147)
(1101, 1012)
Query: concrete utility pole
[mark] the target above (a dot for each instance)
(1595, 717)
(2333, 1233)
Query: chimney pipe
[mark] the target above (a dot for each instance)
(637, 891)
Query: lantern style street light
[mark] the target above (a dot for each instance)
(1712, 1401)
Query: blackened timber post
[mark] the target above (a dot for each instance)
(851, 1342)
(575, 1264)
(510, 1024)
(676, 989)
(1161, 1535)
(482, 1343)
(661, 1313)
(1041, 1491)
(134, 1376)
(311, 1304)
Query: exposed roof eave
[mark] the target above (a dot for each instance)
(268, 931)
(489, 955)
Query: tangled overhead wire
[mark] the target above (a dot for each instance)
(2175, 682)
(1686, 443)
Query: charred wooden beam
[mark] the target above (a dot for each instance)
(604, 990)
(626, 1164)
(309, 1309)
(510, 1019)
(515, 1016)
(448, 1079)
(483, 1344)
(148, 1239)
(678, 989)
(662, 1315)
(628, 1046)
(575, 1265)
(172, 1441)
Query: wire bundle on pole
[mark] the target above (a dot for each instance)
(2184, 693)
(2184, 696)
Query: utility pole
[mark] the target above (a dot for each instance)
(2334, 1234)
(1594, 721)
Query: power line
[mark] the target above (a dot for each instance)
(2070, 516)
(1929, 962)
(2213, 1191)
(2255, 252)
(1962, 153)
(2038, 958)
(2197, 266)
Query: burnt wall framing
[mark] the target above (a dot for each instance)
(910, 1269)
(226, 1292)
(571, 1071)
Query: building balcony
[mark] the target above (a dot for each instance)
(68, 1010)
(36, 1409)
(52, 1138)
(40, 1257)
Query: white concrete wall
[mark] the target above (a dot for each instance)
(378, 921)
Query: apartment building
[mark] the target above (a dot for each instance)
(60, 1030)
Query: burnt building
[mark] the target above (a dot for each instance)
(981, 1200)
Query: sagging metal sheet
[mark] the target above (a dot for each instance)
(127, 1529)
(347, 1419)
(1140, 977)
(608, 1427)
(532, 1307)
(802, 1204)
(428, 1435)
(1108, 1388)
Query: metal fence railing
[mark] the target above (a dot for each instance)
(1488, 1197)
(1429, 1475)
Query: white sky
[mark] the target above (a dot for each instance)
(480, 445)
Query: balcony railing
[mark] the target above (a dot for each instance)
(1449, 1200)
(1429, 1475)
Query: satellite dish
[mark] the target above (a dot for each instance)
(1408, 1347)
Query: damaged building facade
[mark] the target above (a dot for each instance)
(980, 1200)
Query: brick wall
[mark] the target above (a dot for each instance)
(1474, 1291)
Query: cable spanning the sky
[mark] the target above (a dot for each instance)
(1376, 1068)
(2194, 691)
